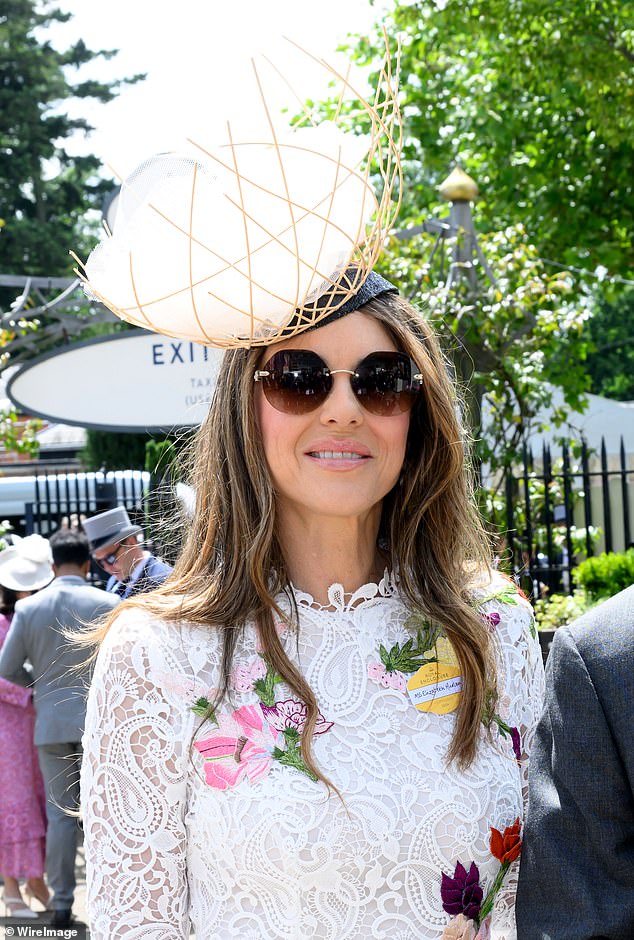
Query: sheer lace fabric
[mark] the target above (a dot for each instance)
(278, 858)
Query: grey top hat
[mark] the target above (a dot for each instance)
(108, 527)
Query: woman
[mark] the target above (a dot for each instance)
(360, 695)
(24, 568)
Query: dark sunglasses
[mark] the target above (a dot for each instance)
(297, 381)
(109, 559)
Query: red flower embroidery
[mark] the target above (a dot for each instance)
(506, 847)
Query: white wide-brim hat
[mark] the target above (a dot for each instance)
(27, 564)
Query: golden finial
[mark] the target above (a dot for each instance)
(458, 187)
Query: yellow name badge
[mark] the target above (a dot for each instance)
(436, 687)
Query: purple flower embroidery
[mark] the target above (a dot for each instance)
(292, 714)
(462, 894)
(492, 620)
(517, 744)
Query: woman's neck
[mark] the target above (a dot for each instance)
(321, 551)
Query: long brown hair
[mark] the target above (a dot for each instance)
(232, 565)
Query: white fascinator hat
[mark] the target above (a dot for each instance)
(247, 242)
(27, 564)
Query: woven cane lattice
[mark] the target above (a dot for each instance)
(244, 244)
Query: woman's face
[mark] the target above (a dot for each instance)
(299, 448)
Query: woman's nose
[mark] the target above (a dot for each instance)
(342, 405)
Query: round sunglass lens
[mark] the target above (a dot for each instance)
(298, 381)
(383, 383)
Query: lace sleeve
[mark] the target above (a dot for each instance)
(136, 751)
(521, 687)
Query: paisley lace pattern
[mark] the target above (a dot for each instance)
(278, 857)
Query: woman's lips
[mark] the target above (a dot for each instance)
(339, 458)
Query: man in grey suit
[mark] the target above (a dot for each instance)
(59, 677)
(577, 870)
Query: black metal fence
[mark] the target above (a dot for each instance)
(68, 498)
(559, 509)
(564, 507)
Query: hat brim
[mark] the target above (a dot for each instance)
(113, 537)
(21, 574)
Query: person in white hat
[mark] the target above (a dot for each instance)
(115, 547)
(58, 674)
(25, 567)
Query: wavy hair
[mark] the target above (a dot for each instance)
(232, 565)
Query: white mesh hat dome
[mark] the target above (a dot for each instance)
(226, 245)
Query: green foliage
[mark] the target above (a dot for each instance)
(561, 609)
(543, 498)
(610, 363)
(511, 343)
(536, 101)
(605, 575)
(109, 450)
(44, 191)
(18, 436)
(160, 456)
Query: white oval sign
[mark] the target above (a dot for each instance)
(131, 381)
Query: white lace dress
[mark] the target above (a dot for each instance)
(232, 838)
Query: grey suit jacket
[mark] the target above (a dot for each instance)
(577, 865)
(59, 676)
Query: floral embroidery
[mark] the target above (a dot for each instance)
(506, 847)
(253, 736)
(490, 717)
(389, 680)
(243, 677)
(462, 894)
(293, 714)
(432, 646)
(507, 594)
(407, 658)
(242, 746)
(492, 620)
(461, 928)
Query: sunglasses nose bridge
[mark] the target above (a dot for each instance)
(341, 404)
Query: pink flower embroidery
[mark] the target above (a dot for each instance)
(293, 714)
(389, 680)
(280, 627)
(460, 928)
(242, 745)
(243, 677)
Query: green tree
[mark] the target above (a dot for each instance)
(611, 359)
(536, 101)
(511, 341)
(44, 191)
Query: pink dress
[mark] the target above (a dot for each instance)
(22, 802)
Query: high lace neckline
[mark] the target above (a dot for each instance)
(340, 601)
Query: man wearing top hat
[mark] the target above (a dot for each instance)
(115, 547)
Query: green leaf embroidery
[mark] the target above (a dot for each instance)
(204, 708)
(292, 757)
(409, 657)
(506, 595)
(265, 687)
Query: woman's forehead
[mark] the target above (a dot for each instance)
(356, 334)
